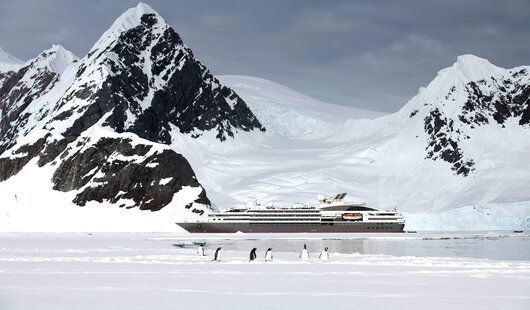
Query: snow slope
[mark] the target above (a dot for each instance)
(290, 114)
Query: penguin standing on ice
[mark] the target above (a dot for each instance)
(253, 255)
(304, 255)
(324, 255)
(200, 251)
(268, 255)
(217, 255)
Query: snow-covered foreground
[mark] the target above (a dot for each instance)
(161, 271)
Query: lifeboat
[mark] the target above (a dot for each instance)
(352, 217)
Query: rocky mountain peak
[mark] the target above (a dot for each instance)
(139, 77)
(130, 19)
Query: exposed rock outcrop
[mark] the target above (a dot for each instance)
(124, 172)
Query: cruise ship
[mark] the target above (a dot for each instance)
(332, 215)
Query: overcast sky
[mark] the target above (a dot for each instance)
(369, 54)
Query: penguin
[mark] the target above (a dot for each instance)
(252, 254)
(200, 251)
(324, 255)
(217, 255)
(268, 255)
(304, 255)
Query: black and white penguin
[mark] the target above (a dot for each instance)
(304, 255)
(252, 255)
(200, 250)
(217, 255)
(268, 255)
(324, 255)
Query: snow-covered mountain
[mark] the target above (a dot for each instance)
(457, 151)
(101, 126)
(140, 77)
(460, 103)
(140, 125)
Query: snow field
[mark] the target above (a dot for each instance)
(137, 271)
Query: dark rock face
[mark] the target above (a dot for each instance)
(153, 65)
(498, 100)
(111, 170)
(4, 76)
(489, 102)
(443, 145)
(51, 150)
(45, 148)
(9, 166)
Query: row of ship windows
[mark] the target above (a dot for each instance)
(252, 220)
(285, 224)
(273, 211)
(262, 215)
